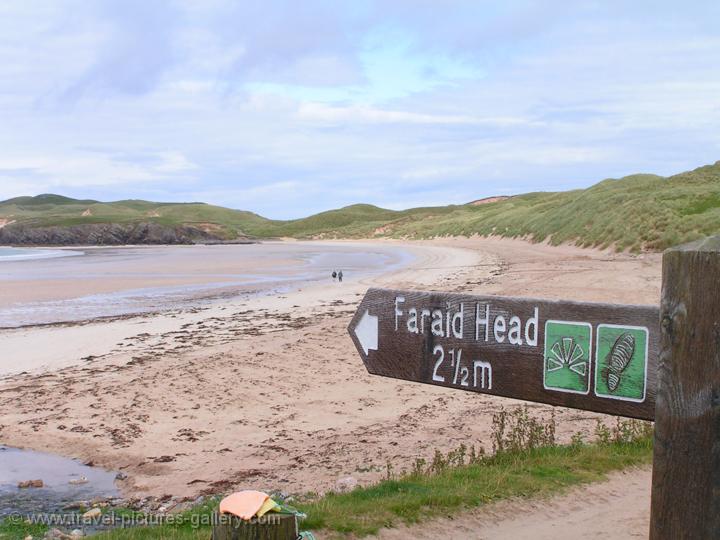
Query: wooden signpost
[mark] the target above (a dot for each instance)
(597, 357)
(643, 362)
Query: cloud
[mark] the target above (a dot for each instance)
(286, 108)
(306, 43)
(91, 169)
(135, 49)
(318, 112)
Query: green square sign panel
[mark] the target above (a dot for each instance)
(568, 347)
(621, 362)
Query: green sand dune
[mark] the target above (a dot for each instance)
(638, 212)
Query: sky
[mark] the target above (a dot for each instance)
(291, 108)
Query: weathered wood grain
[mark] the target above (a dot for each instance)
(517, 370)
(686, 465)
(270, 527)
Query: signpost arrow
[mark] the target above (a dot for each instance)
(366, 332)
(596, 357)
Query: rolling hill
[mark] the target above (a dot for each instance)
(638, 212)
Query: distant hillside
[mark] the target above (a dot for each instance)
(639, 212)
(53, 219)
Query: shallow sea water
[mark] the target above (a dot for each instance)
(56, 472)
(111, 282)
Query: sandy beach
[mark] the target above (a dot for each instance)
(266, 391)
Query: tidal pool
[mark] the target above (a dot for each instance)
(57, 473)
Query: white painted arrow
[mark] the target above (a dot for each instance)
(367, 332)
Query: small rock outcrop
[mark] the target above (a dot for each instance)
(31, 484)
(93, 513)
(57, 534)
(78, 481)
(105, 234)
(346, 484)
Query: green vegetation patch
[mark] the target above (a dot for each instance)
(413, 498)
(18, 528)
(641, 212)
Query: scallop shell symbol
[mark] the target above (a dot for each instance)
(618, 359)
(566, 353)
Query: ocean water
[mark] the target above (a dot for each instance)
(8, 254)
(110, 282)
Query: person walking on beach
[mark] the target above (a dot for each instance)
(339, 276)
(334, 275)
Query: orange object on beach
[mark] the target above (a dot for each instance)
(243, 504)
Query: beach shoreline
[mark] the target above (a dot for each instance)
(134, 280)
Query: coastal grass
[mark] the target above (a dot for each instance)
(414, 498)
(641, 212)
(526, 463)
(12, 529)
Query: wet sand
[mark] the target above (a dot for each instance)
(111, 281)
(268, 392)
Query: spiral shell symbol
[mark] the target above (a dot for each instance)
(566, 353)
(618, 359)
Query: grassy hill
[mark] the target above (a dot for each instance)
(638, 212)
(56, 211)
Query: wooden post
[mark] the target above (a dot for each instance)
(272, 526)
(686, 464)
